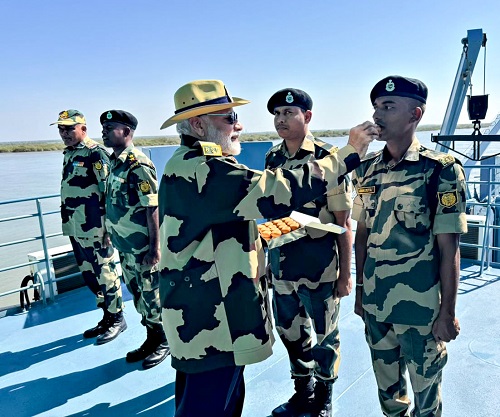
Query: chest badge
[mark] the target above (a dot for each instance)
(448, 199)
(98, 165)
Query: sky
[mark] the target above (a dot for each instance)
(133, 55)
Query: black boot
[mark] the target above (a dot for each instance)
(153, 351)
(301, 402)
(323, 399)
(115, 325)
(99, 329)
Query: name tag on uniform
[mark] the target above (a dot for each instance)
(366, 190)
(115, 178)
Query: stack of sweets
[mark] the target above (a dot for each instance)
(276, 228)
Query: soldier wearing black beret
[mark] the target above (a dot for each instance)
(310, 275)
(119, 116)
(395, 85)
(132, 223)
(290, 97)
(410, 211)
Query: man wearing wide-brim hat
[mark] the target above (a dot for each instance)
(212, 272)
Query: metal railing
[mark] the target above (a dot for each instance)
(490, 209)
(43, 236)
(491, 232)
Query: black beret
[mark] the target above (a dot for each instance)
(290, 97)
(119, 116)
(396, 85)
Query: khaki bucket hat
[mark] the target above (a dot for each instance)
(201, 97)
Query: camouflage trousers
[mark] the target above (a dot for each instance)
(143, 283)
(298, 308)
(396, 348)
(96, 263)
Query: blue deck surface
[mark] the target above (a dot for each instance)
(48, 369)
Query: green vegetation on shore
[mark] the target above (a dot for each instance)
(33, 146)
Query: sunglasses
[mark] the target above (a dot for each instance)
(231, 118)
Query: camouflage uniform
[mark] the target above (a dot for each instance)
(404, 207)
(212, 272)
(132, 187)
(304, 274)
(83, 186)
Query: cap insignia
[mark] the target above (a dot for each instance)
(109, 115)
(390, 86)
(289, 98)
(64, 115)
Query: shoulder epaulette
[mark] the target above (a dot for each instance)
(333, 150)
(273, 149)
(444, 159)
(210, 149)
(89, 143)
(371, 155)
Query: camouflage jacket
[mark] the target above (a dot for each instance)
(404, 207)
(132, 187)
(83, 187)
(212, 270)
(312, 258)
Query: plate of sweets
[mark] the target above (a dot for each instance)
(276, 228)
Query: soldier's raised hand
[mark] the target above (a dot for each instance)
(361, 135)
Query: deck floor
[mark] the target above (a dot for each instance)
(48, 369)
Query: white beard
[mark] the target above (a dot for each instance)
(228, 146)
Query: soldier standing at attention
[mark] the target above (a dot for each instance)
(213, 285)
(83, 187)
(132, 222)
(410, 208)
(310, 275)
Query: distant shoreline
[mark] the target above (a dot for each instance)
(44, 146)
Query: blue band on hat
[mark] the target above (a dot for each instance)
(220, 100)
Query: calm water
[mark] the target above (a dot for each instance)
(36, 174)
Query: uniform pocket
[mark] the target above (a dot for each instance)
(412, 214)
(370, 207)
(190, 284)
(118, 191)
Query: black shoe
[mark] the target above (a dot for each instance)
(323, 399)
(301, 402)
(116, 324)
(99, 329)
(154, 349)
(158, 356)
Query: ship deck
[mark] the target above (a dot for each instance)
(48, 369)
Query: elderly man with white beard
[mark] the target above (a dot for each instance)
(212, 271)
